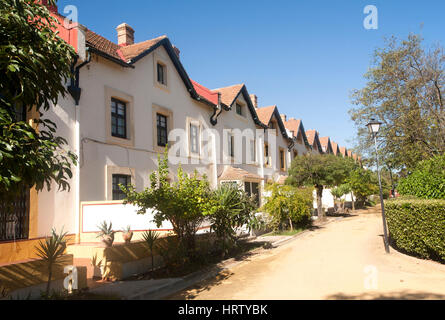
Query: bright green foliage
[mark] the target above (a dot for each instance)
(427, 181)
(231, 208)
(363, 183)
(150, 237)
(288, 205)
(184, 203)
(34, 66)
(417, 226)
(341, 190)
(50, 251)
(319, 171)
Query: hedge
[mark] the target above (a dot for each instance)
(417, 227)
(427, 181)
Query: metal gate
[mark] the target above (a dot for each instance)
(14, 218)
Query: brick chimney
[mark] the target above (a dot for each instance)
(283, 117)
(125, 35)
(177, 51)
(254, 99)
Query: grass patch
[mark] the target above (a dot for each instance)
(284, 233)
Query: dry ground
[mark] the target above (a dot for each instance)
(344, 259)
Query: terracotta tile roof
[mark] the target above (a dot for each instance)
(265, 114)
(343, 151)
(124, 53)
(231, 173)
(100, 43)
(335, 147)
(324, 141)
(229, 94)
(205, 92)
(354, 155)
(311, 134)
(293, 125)
(350, 153)
(134, 50)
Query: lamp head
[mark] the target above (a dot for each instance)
(374, 126)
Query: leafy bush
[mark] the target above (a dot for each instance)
(417, 226)
(184, 202)
(363, 183)
(288, 205)
(427, 181)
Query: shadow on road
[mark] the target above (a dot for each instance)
(206, 285)
(401, 295)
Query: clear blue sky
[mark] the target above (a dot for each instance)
(304, 56)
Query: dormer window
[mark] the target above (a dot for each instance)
(239, 109)
(162, 73)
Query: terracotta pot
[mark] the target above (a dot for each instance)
(108, 240)
(127, 236)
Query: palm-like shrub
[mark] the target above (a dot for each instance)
(150, 237)
(50, 251)
(339, 192)
(231, 208)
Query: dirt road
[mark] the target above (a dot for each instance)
(344, 259)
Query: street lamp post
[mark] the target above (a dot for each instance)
(373, 127)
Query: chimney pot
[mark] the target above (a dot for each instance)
(177, 51)
(125, 35)
(283, 117)
(254, 99)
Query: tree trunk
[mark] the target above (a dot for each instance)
(291, 226)
(48, 285)
(352, 200)
(320, 202)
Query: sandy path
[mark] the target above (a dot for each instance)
(343, 259)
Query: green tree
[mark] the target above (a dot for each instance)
(288, 205)
(184, 202)
(363, 183)
(318, 171)
(34, 66)
(405, 92)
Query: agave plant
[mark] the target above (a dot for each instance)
(106, 233)
(50, 251)
(127, 234)
(150, 238)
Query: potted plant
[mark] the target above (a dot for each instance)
(127, 234)
(106, 233)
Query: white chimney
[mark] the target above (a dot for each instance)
(125, 35)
